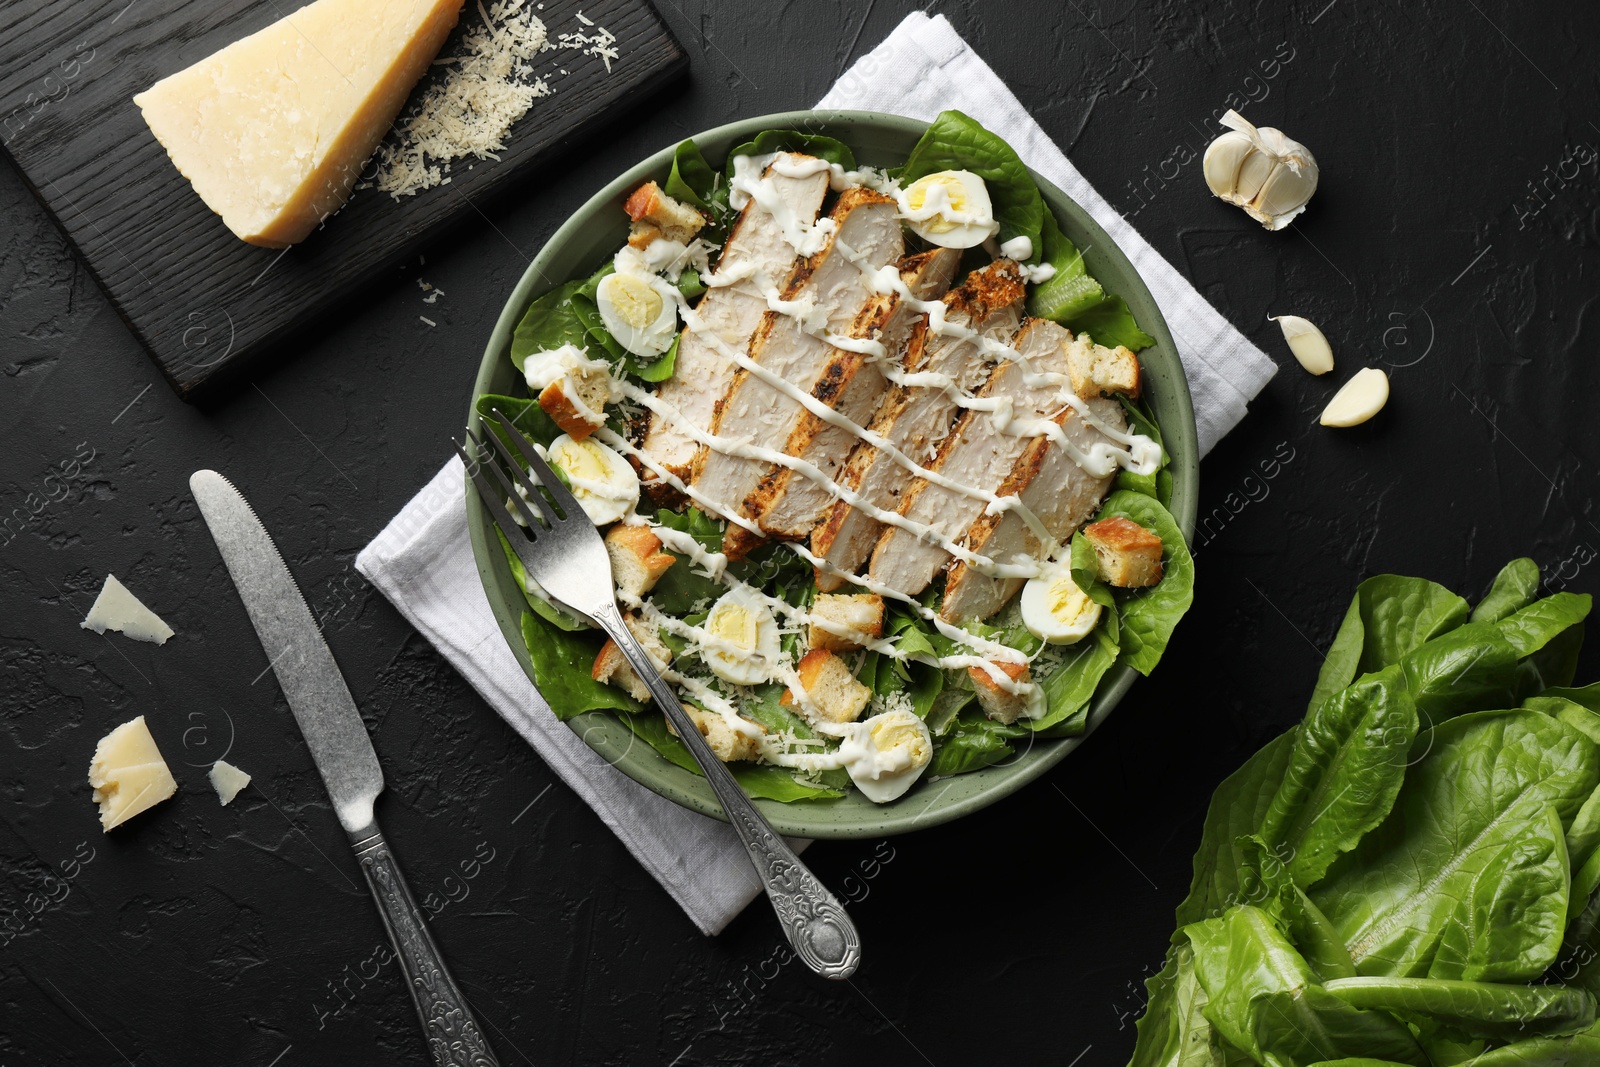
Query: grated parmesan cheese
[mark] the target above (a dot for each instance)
(602, 44)
(897, 700)
(490, 86)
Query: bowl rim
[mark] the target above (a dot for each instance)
(791, 819)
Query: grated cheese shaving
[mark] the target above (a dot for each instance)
(490, 86)
(897, 700)
(602, 44)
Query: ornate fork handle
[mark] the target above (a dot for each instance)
(814, 921)
(453, 1035)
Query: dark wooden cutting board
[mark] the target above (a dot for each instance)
(202, 301)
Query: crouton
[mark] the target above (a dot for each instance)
(858, 615)
(612, 667)
(1096, 370)
(834, 693)
(1129, 556)
(576, 401)
(637, 561)
(656, 215)
(999, 703)
(728, 744)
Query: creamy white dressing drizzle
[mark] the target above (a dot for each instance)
(839, 179)
(749, 183)
(1142, 455)
(749, 450)
(1139, 453)
(991, 651)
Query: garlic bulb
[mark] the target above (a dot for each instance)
(1260, 170)
(1362, 397)
(1306, 342)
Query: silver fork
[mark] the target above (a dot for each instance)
(562, 550)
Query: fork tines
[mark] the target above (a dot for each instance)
(555, 503)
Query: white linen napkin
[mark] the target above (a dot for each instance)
(422, 561)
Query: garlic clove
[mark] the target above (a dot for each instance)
(1283, 196)
(1362, 397)
(1223, 158)
(1307, 342)
(1253, 174)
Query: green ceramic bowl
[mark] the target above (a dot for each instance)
(592, 235)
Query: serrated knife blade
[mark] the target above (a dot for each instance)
(344, 756)
(295, 648)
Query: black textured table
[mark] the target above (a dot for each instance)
(1454, 240)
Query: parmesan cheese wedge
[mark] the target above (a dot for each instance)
(128, 774)
(273, 130)
(228, 780)
(117, 609)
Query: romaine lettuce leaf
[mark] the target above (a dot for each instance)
(1266, 883)
(1149, 616)
(1493, 1010)
(1070, 291)
(1389, 616)
(692, 180)
(524, 414)
(1235, 812)
(1534, 626)
(1344, 771)
(1110, 323)
(921, 682)
(1159, 484)
(1469, 833)
(550, 322)
(1263, 997)
(1514, 588)
(973, 742)
(562, 661)
(1580, 1050)
(1070, 687)
(681, 588)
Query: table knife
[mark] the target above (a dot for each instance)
(343, 753)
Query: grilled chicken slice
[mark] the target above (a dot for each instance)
(1059, 493)
(976, 454)
(787, 503)
(917, 418)
(834, 296)
(732, 312)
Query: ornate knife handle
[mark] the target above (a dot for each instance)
(813, 920)
(453, 1035)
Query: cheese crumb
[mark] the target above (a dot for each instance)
(228, 780)
(490, 86)
(117, 609)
